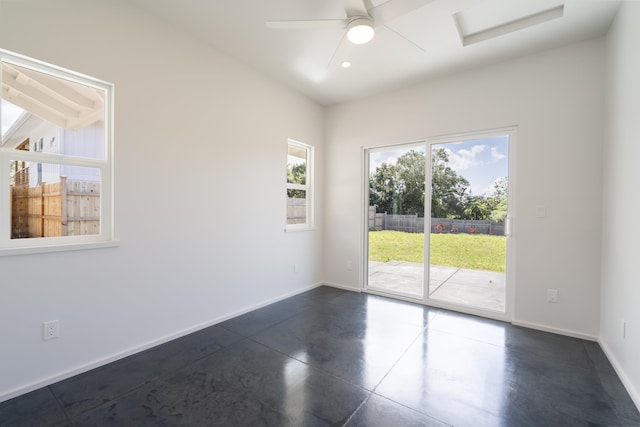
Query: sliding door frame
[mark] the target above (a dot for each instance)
(510, 287)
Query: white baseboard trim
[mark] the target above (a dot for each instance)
(529, 325)
(345, 287)
(634, 393)
(553, 330)
(18, 391)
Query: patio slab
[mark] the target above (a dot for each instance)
(475, 288)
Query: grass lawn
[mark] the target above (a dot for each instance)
(472, 251)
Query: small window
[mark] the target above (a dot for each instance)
(55, 156)
(299, 186)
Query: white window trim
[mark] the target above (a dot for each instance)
(105, 238)
(308, 187)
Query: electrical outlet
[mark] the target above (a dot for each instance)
(349, 265)
(624, 330)
(50, 330)
(295, 268)
(552, 295)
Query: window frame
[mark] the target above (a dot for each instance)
(105, 238)
(307, 187)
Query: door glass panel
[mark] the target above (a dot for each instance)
(467, 242)
(396, 220)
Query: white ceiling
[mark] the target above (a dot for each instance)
(422, 44)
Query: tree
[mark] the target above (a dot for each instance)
(492, 207)
(497, 200)
(399, 188)
(411, 182)
(477, 208)
(383, 188)
(449, 191)
(296, 174)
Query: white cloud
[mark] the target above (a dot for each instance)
(476, 155)
(495, 155)
(464, 158)
(390, 157)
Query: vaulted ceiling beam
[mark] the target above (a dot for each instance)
(28, 88)
(33, 107)
(64, 103)
(80, 95)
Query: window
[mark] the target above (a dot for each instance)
(55, 157)
(299, 186)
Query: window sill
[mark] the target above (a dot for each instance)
(298, 229)
(28, 250)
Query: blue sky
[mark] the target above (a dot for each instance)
(480, 161)
(10, 113)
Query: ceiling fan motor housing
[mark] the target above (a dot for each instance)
(360, 30)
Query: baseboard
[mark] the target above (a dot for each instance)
(626, 382)
(529, 325)
(553, 330)
(137, 349)
(338, 286)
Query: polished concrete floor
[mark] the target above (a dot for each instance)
(470, 288)
(332, 358)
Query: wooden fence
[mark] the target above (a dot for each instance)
(296, 210)
(415, 224)
(22, 176)
(64, 208)
(471, 226)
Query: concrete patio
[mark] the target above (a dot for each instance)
(474, 288)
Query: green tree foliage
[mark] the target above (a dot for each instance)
(400, 189)
(476, 208)
(383, 188)
(449, 191)
(296, 174)
(497, 201)
(492, 207)
(411, 182)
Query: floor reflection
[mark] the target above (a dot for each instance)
(331, 357)
(294, 395)
(453, 378)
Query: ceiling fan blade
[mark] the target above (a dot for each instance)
(308, 24)
(392, 9)
(368, 5)
(341, 53)
(405, 38)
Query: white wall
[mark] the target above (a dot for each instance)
(620, 253)
(556, 99)
(201, 144)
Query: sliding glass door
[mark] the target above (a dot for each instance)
(445, 201)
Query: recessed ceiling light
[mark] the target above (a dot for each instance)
(346, 64)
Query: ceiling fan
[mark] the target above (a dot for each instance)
(359, 26)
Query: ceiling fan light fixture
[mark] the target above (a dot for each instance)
(360, 30)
